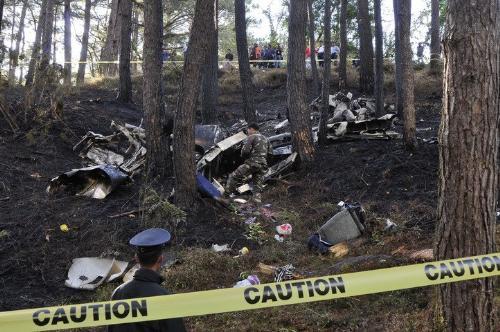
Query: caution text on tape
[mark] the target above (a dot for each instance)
(254, 297)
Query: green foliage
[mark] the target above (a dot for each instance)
(255, 232)
(159, 212)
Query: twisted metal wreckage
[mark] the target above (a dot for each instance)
(115, 159)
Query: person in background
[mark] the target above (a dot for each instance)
(321, 55)
(228, 58)
(420, 53)
(258, 53)
(147, 281)
(335, 51)
(278, 56)
(272, 56)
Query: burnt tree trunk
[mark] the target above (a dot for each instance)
(14, 54)
(2, 4)
(158, 122)
(35, 53)
(435, 37)
(365, 48)
(312, 46)
(111, 48)
(325, 93)
(468, 151)
(47, 36)
(125, 89)
(403, 21)
(135, 38)
(299, 115)
(343, 45)
(54, 31)
(184, 166)
(80, 78)
(398, 77)
(210, 83)
(67, 42)
(379, 60)
(247, 87)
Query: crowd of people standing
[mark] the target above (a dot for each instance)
(268, 56)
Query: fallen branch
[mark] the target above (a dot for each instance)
(4, 198)
(126, 213)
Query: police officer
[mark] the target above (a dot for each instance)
(255, 151)
(146, 281)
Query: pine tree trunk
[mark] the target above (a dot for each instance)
(158, 122)
(125, 90)
(54, 31)
(398, 77)
(67, 42)
(210, 83)
(299, 115)
(111, 46)
(247, 87)
(184, 165)
(135, 38)
(343, 45)
(468, 150)
(2, 3)
(407, 76)
(14, 56)
(35, 54)
(435, 38)
(21, 69)
(325, 93)
(365, 48)
(12, 37)
(379, 60)
(47, 36)
(80, 77)
(312, 46)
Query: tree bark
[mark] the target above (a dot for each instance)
(184, 166)
(325, 95)
(210, 83)
(80, 77)
(67, 42)
(365, 48)
(398, 77)
(343, 45)
(2, 3)
(379, 60)
(111, 46)
(35, 54)
(135, 38)
(407, 85)
(47, 36)
(125, 90)
(435, 37)
(247, 87)
(54, 31)
(312, 46)
(468, 150)
(299, 115)
(158, 122)
(14, 54)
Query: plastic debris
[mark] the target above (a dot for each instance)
(284, 273)
(220, 248)
(240, 200)
(284, 229)
(390, 226)
(64, 228)
(250, 221)
(90, 272)
(251, 280)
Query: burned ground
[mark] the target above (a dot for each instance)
(389, 181)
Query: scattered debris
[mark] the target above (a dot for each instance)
(220, 248)
(250, 221)
(390, 226)
(347, 224)
(64, 228)
(95, 181)
(251, 280)
(283, 231)
(270, 270)
(284, 273)
(339, 250)
(419, 255)
(90, 272)
(240, 200)
(4, 233)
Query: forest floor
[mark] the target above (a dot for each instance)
(390, 183)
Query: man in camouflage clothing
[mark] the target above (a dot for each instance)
(255, 150)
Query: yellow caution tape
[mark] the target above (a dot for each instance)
(254, 297)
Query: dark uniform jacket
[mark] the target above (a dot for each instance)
(146, 283)
(256, 148)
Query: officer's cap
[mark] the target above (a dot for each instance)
(150, 239)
